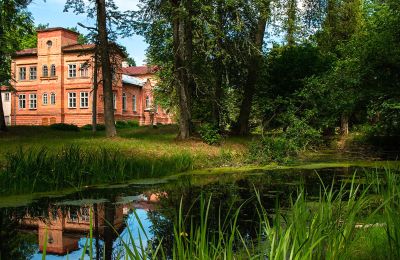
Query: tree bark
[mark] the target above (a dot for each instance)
(254, 66)
(182, 46)
(219, 74)
(109, 120)
(344, 124)
(3, 126)
(291, 22)
(95, 87)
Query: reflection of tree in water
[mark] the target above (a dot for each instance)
(13, 244)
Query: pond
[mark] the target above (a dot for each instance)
(65, 221)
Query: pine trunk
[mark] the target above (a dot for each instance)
(109, 120)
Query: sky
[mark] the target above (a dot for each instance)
(51, 12)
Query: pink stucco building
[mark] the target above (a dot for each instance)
(54, 84)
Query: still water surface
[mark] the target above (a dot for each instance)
(65, 221)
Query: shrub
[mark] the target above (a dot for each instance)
(210, 134)
(298, 137)
(99, 127)
(121, 124)
(65, 127)
(133, 123)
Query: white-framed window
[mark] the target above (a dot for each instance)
(22, 73)
(6, 97)
(32, 101)
(134, 103)
(45, 98)
(84, 70)
(72, 71)
(84, 99)
(45, 71)
(22, 101)
(52, 70)
(32, 72)
(53, 98)
(124, 101)
(148, 102)
(115, 100)
(71, 100)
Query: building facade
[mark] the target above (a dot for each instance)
(54, 84)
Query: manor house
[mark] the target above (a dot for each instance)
(54, 84)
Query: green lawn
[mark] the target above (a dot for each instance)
(145, 142)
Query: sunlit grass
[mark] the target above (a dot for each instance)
(138, 142)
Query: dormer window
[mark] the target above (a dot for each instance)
(49, 44)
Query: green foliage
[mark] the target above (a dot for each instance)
(133, 123)
(37, 170)
(121, 124)
(15, 23)
(298, 137)
(340, 223)
(99, 127)
(126, 124)
(209, 134)
(65, 127)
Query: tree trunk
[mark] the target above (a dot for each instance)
(182, 46)
(344, 124)
(109, 120)
(109, 216)
(219, 74)
(95, 87)
(254, 66)
(3, 126)
(96, 230)
(291, 22)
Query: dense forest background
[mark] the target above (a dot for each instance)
(305, 67)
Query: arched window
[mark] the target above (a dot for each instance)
(53, 70)
(45, 99)
(45, 71)
(147, 102)
(124, 101)
(53, 98)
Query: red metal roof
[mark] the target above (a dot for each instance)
(139, 70)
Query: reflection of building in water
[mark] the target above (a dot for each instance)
(65, 225)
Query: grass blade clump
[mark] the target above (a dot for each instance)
(37, 170)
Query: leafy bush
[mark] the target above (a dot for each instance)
(298, 137)
(99, 127)
(121, 124)
(65, 127)
(209, 134)
(133, 123)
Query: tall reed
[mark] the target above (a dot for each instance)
(335, 226)
(36, 170)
